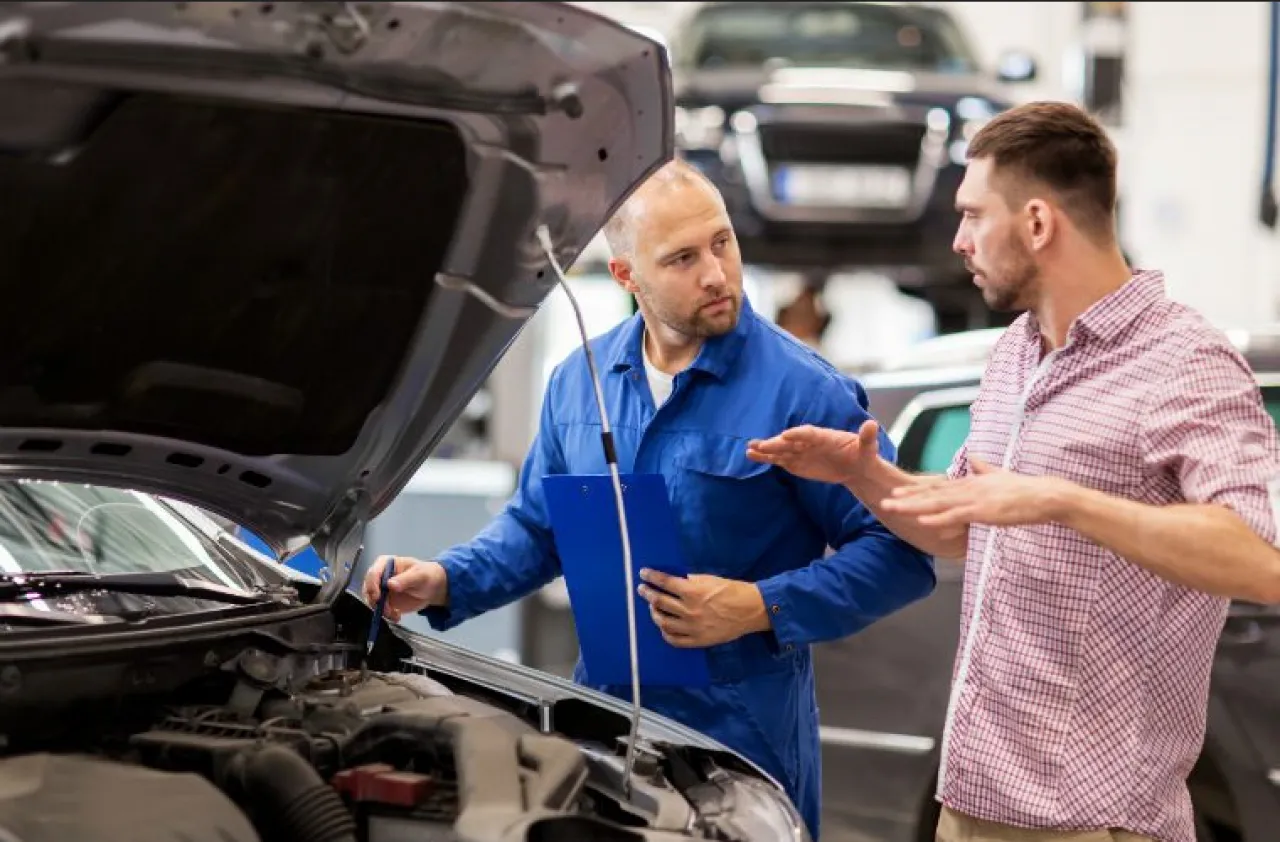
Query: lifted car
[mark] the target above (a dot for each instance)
(257, 258)
(837, 132)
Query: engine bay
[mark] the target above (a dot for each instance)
(276, 748)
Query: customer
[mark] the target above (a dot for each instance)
(1130, 503)
(687, 381)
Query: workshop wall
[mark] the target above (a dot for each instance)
(1194, 119)
(1049, 32)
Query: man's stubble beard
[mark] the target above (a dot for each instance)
(696, 326)
(1021, 277)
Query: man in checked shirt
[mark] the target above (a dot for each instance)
(1111, 497)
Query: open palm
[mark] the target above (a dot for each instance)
(819, 453)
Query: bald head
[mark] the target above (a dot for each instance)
(674, 249)
(620, 230)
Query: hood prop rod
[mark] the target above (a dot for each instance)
(610, 456)
(611, 459)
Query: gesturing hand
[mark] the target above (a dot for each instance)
(819, 453)
(988, 496)
(700, 610)
(413, 585)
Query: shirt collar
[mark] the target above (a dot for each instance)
(716, 357)
(1111, 314)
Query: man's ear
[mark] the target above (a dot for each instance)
(1042, 223)
(620, 269)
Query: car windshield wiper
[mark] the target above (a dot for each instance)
(14, 586)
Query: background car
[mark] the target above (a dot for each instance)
(883, 693)
(837, 132)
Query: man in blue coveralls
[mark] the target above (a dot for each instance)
(688, 381)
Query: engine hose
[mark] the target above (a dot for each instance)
(288, 800)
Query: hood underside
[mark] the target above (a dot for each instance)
(247, 245)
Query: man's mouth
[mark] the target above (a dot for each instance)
(718, 304)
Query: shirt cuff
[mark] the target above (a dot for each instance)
(787, 633)
(462, 597)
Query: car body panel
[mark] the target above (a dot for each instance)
(427, 168)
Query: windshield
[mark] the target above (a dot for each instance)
(48, 527)
(825, 35)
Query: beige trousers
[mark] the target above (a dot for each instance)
(957, 827)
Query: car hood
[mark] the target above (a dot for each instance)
(543, 690)
(260, 256)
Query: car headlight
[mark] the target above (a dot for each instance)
(972, 113)
(747, 809)
(699, 128)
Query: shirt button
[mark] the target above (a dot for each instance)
(775, 609)
(790, 647)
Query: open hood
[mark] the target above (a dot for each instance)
(247, 247)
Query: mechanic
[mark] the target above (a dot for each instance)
(1130, 503)
(687, 381)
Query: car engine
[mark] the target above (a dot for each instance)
(346, 755)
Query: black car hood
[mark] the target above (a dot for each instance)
(247, 246)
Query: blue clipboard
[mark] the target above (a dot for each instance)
(584, 521)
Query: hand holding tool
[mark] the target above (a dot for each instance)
(380, 609)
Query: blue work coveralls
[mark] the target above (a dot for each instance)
(738, 519)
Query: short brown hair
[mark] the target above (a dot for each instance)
(1061, 147)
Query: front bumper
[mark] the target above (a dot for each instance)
(909, 240)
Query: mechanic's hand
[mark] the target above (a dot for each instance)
(819, 453)
(988, 496)
(700, 610)
(414, 585)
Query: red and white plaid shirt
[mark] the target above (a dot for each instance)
(1081, 682)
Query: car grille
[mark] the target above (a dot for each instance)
(897, 143)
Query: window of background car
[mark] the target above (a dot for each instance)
(54, 526)
(932, 440)
(831, 35)
(1271, 397)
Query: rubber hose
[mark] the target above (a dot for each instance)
(287, 794)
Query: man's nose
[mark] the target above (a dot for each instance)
(714, 275)
(962, 244)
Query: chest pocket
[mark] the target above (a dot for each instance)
(726, 499)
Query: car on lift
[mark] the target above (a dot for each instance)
(837, 133)
(883, 693)
(257, 259)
